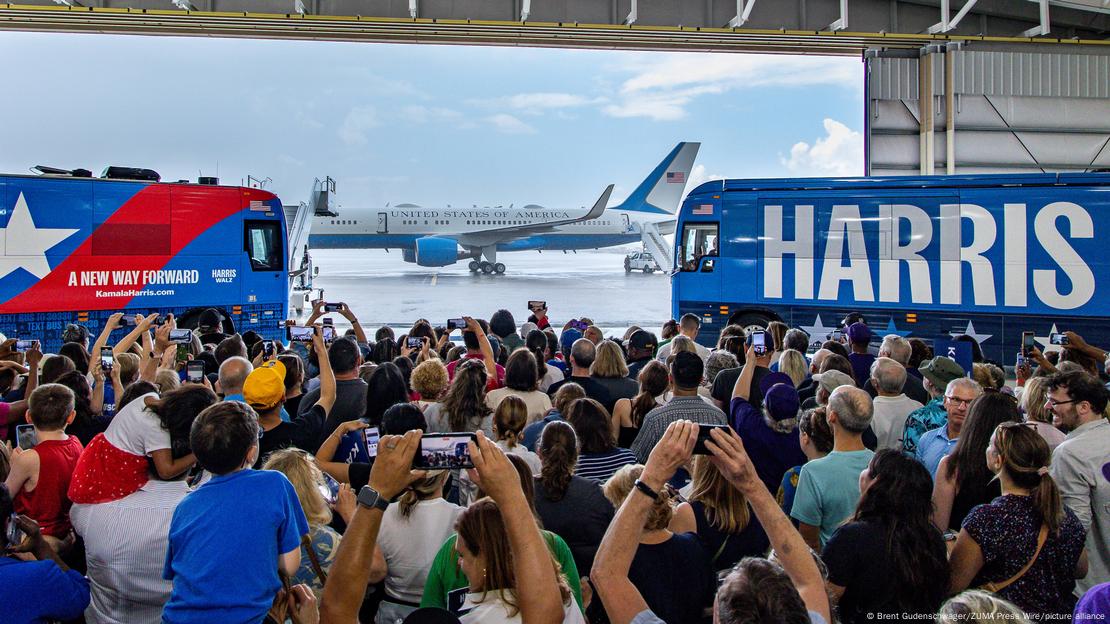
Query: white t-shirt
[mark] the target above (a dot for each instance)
(665, 352)
(539, 404)
(889, 421)
(552, 376)
(409, 559)
(137, 430)
(529, 457)
(493, 610)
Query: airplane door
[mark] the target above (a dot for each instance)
(627, 223)
(383, 223)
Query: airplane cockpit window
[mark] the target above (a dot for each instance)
(698, 240)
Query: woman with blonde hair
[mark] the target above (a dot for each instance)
(610, 370)
(793, 363)
(977, 605)
(509, 420)
(403, 562)
(1033, 400)
(671, 570)
(319, 546)
(721, 517)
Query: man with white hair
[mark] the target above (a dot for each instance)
(808, 388)
(233, 374)
(891, 405)
(899, 349)
(937, 443)
(828, 488)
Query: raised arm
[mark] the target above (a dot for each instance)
(325, 455)
(102, 340)
(360, 334)
(743, 387)
(142, 325)
(346, 586)
(483, 344)
(317, 312)
(327, 376)
(944, 494)
(614, 557)
(537, 588)
(730, 458)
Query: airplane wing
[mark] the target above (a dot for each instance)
(539, 226)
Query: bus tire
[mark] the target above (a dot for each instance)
(751, 321)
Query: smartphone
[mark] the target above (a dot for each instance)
(453, 324)
(181, 336)
(329, 489)
(24, 345)
(127, 321)
(183, 354)
(14, 534)
(25, 437)
(327, 322)
(415, 343)
(1020, 361)
(158, 321)
(194, 371)
(837, 335)
(537, 305)
(298, 333)
(268, 349)
(1026, 343)
(328, 332)
(1058, 339)
(372, 436)
(759, 342)
(703, 435)
(334, 307)
(107, 359)
(444, 451)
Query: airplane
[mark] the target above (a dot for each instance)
(442, 236)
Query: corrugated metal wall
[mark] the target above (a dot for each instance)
(1013, 112)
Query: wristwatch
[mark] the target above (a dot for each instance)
(368, 497)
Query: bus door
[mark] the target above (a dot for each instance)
(697, 276)
(264, 259)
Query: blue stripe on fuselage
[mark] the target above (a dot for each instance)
(552, 242)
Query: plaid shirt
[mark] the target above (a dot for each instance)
(680, 408)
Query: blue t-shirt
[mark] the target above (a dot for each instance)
(224, 543)
(828, 490)
(39, 591)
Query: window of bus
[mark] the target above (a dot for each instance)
(263, 245)
(698, 240)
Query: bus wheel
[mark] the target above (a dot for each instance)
(751, 321)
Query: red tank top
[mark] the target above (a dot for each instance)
(48, 503)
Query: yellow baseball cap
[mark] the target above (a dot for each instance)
(265, 386)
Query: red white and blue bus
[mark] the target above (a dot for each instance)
(990, 256)
(77, 249)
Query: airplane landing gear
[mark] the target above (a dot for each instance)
(487, 267)
(473, 266)
(499, 268)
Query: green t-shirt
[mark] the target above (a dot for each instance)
(446, 576)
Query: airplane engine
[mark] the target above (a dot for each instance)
(435, 252)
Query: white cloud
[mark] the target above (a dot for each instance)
(661, 86)
(838, 153)
(424, 114)
(359, 120)
(507, 124)
(699, 175)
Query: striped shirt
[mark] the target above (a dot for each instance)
(601, 466)
(125, 542)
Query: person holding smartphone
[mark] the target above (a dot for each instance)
(43, 588)
(539, 314)
(478, 348)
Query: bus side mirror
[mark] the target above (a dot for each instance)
(707, 265)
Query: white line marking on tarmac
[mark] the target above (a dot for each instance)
(434, 278)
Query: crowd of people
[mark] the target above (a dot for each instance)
(771, 477)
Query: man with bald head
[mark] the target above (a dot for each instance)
(828, 488)
(233, 374)
(899, 349)
(892, 406)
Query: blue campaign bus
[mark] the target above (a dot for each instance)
(991, 256)
(77, 249)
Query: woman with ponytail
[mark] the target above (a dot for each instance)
(1024, 546)
(538, 345)
(572, 507)
(403, 562)
(628, 414)
(888, 558)
(509, 420)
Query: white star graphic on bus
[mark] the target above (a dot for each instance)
(1046, 346)
(818, 332)
(970, 331)
(24, 246)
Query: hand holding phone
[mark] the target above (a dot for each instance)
(759, 343)
(24, 345)
(1060, 339)
(25, 437)
(444, 451)
(107, 359)
(703, 435)
(415, 343)
(194, 371)
(456, 323)
(334, 307)
(1027, 343)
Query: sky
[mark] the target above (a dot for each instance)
(424, 124)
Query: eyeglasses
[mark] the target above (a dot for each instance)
(1053, 402)
(958, 400)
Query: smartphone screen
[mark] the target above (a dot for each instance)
(1058, 339)
(24, 345)
(14, 534)
(537, 305)
(158, 321)
(268, 349)
(182, 352)
(333, 307)
(415, 343)
(329, 489)
(703, 435)
(25, 437)
(457, 323)
(107, 359)
(1026, 342)
(443, 451)
(759, 342)
(194, 371)
(372, 436)
(328, 333)
(181, 336)
(300, 334)
(327, 322)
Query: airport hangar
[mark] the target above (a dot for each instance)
(952, 86)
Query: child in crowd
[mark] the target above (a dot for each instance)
(232, 537)
(508, 426)
(40, 476)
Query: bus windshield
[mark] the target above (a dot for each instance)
(698, 239)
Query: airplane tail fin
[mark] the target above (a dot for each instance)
(661, 192)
